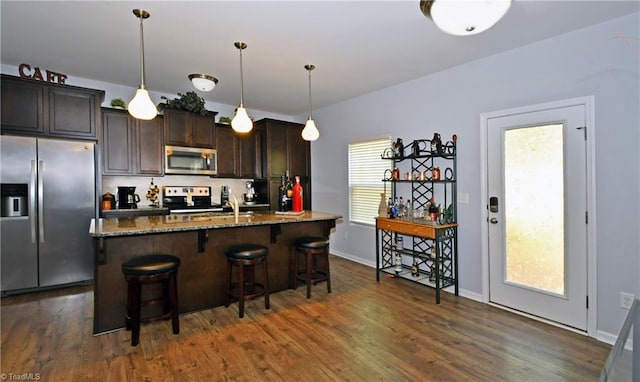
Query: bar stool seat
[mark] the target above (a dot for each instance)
(246, 257)
(150, 269)
(312, 247)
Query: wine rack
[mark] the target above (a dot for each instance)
(429, 254)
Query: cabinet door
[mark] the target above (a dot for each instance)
(117, 143)
(250, 154)
(177, 127)
(23, 106)
(203, 132)
(150, 145)
(226, 151)
(277, 155)
(72, 112)
(298, 152)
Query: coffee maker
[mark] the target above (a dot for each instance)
(127, 197)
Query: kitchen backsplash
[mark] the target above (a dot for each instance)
(111, 184)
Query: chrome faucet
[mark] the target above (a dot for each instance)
(234, 205)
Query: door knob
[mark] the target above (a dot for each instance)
(493, 220)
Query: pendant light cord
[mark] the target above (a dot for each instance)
(241, 81)
(310, 116)
(141, 52)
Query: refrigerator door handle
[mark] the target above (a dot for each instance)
(32, 200)
(40, 201)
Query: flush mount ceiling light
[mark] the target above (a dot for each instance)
(310, 131)
(241, 121)
(203, 82)
(141, 106)
(464, 17)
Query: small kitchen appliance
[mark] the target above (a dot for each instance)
(250, 193)
(190, 161)
(127, 197)
(189, 199)
(224, 195)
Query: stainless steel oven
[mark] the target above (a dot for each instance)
(190, 161)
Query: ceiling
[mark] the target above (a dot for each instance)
(356, 46)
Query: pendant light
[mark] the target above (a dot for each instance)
(310, 131)
(203, 82)
(141, 106)
(241, 122)
(464, 17)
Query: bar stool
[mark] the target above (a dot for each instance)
(149, 269)
(246, 257)
(311, 247)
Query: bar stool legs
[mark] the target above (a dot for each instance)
(312, 248)
(150, 269)
(246, 257)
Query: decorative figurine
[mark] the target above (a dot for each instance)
(152, 194)
(436, 144)
(398, 148)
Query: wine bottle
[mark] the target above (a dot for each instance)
(297, 195)
(289, 186)
(282, 194)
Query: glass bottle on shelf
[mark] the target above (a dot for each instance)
(382, 208)
(282, 194)
(398, 257)
(415, 272)
(289, 187)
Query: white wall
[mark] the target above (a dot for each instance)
(582, 63)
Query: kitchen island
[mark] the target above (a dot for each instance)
(200, 241)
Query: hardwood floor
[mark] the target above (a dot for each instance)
(363, 331)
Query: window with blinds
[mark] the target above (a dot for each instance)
(366, 171)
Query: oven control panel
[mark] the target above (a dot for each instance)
(186, 191)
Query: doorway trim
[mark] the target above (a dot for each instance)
(592, 290)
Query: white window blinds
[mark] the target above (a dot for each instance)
(366, 171)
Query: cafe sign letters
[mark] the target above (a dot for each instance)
(41, 75)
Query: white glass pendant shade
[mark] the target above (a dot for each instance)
(241, 122)
(465, 17)
(203, 82)
(141, 106)
(310, 131)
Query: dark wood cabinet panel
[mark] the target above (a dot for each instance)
(117, 143)
(41, 108)
(239, 155)
(184, 128)
(203, 131)
(286, 151)
(23, 106)
(177, 129)
(72, 112)
(277, 146)
(150, 145)
(299, 152)
(226, 151)
(131, 146)
(251, 152)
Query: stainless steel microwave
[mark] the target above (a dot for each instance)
(190, 161)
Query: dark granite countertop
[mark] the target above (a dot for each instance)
(190, 222)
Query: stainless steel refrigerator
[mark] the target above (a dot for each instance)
(48, 200)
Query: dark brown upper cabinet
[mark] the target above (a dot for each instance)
(239, 155)
(131, 146)
(183, 128)
(286, 151)
(31, 107)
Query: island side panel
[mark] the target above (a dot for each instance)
(201, 277)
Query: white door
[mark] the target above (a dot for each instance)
(537, 218)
